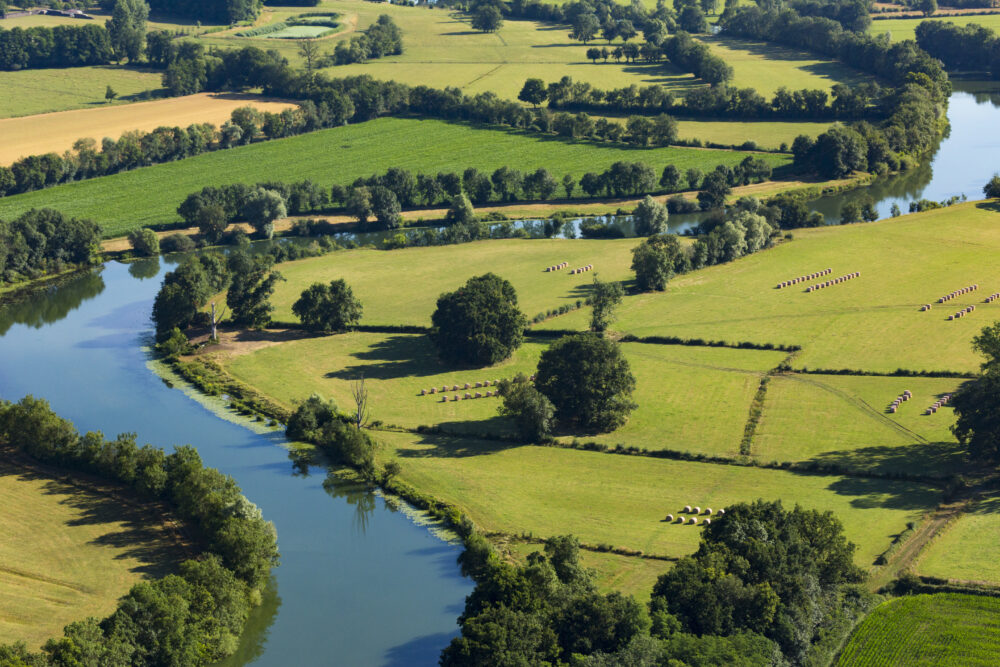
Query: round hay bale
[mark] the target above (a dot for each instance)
(687, 508)
(697, 510)
(708, 522)
(708, 510)
(722, 512)
(694, 520)
(670, 517)
(682, 520)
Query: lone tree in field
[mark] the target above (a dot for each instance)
(110, 94)
(250, 289)
(330, 307)
(589, 382)
(656, 260)
(479, 323)
(533, 92)
(604, 298)
(309, 50)
(649, 217)
(992, 189)
(487, 19)
(127, 28)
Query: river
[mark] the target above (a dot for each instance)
(359, 583)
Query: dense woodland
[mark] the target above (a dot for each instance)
(44, 241)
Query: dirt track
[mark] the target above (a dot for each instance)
(56, 132)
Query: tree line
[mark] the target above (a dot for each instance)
(58, 46)
(860, 101)
(382, 38)
(194, 617)
(45, 241)
(969, 47)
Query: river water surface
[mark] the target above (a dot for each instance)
(359, 583)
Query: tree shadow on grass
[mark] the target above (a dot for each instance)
(989, 206)
(133, 531)
(434, 445)
(934, 458)
(394, 356)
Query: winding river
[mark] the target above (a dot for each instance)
(359, 583)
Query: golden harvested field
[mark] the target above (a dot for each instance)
(66, 554)
(56, 132)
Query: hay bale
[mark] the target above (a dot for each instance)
(478, 395)
(708, 522)
(444, 398)
(433, 390)
(708, 510)
(697, 510)
(454, 387)
(694, 520)
(669, 517)
(682, 520)
(423, 392)
(687, 508)
(467, 395)
(721, 512)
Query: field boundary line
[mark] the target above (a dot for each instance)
(45, 579)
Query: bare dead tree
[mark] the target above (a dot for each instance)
(360, 394)
(215, 322)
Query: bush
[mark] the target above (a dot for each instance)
(528, 407)
(177, 243)
(144, 242)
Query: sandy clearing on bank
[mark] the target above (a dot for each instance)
(58, 131)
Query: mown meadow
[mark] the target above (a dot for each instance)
(68, 553)
(870, 323)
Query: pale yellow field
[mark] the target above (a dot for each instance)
(66, 554)
(56, 132)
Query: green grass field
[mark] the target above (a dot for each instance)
(150, 195)
(967, 550)
(34, 91)
(767, 134)
(843, 420)
(621, 500)
(900, 29)
(939, 629)
(767, 67)
(418, 276)
(872, 322)
(397, 367)
(67, 554)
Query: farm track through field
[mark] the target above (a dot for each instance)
(34, 576)
(865, 407)
(908, 554)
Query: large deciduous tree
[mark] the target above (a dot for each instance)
(252, 283)
(589, 382)
(656, 260)
(479, 323)
(649, 217)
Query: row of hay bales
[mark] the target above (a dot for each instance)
(583, 269)
(905, 396)
(937, 404)
(469, 396)
(556, 267)
(697, 511)
(992, 297)
(834, 281)
(467, 385)
(962, 313)
(801, 279)
(957, 293)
